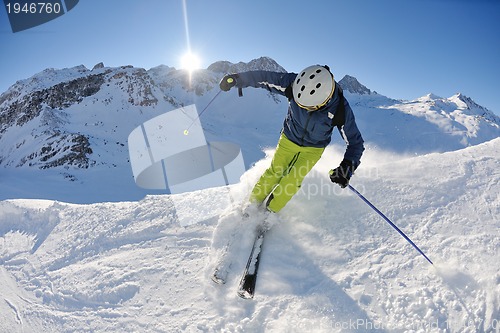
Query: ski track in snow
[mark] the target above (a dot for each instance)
(331, 264)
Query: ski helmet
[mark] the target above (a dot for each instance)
(313, 87)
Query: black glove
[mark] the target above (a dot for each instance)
(342, 174)
(228, 81)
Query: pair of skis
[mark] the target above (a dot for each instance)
(246, 287)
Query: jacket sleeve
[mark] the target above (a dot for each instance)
(273, 81)
(352, 136)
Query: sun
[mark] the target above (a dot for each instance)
(190, 62)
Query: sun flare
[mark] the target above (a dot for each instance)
(190, 62)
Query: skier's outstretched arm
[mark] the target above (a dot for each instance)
(275, 82)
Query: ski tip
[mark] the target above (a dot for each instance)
(218, 280)
(245, 294)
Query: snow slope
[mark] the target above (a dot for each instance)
(330, 264)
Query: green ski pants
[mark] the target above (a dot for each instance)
(290, 164)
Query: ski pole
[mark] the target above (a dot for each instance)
(186, 131)
(389, 221)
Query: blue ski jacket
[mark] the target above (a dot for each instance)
(310, 128)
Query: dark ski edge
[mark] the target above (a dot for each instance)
(246, 289)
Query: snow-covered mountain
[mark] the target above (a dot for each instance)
(77, 117)
(72, 124)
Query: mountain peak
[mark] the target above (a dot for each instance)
(429, 98)
(466, 101)
(351, 84)
(433, 96)
(98, 66)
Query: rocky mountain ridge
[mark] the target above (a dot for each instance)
(351, 84)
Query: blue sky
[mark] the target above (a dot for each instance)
(400, 48)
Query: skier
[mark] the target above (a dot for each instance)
(316, 106)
